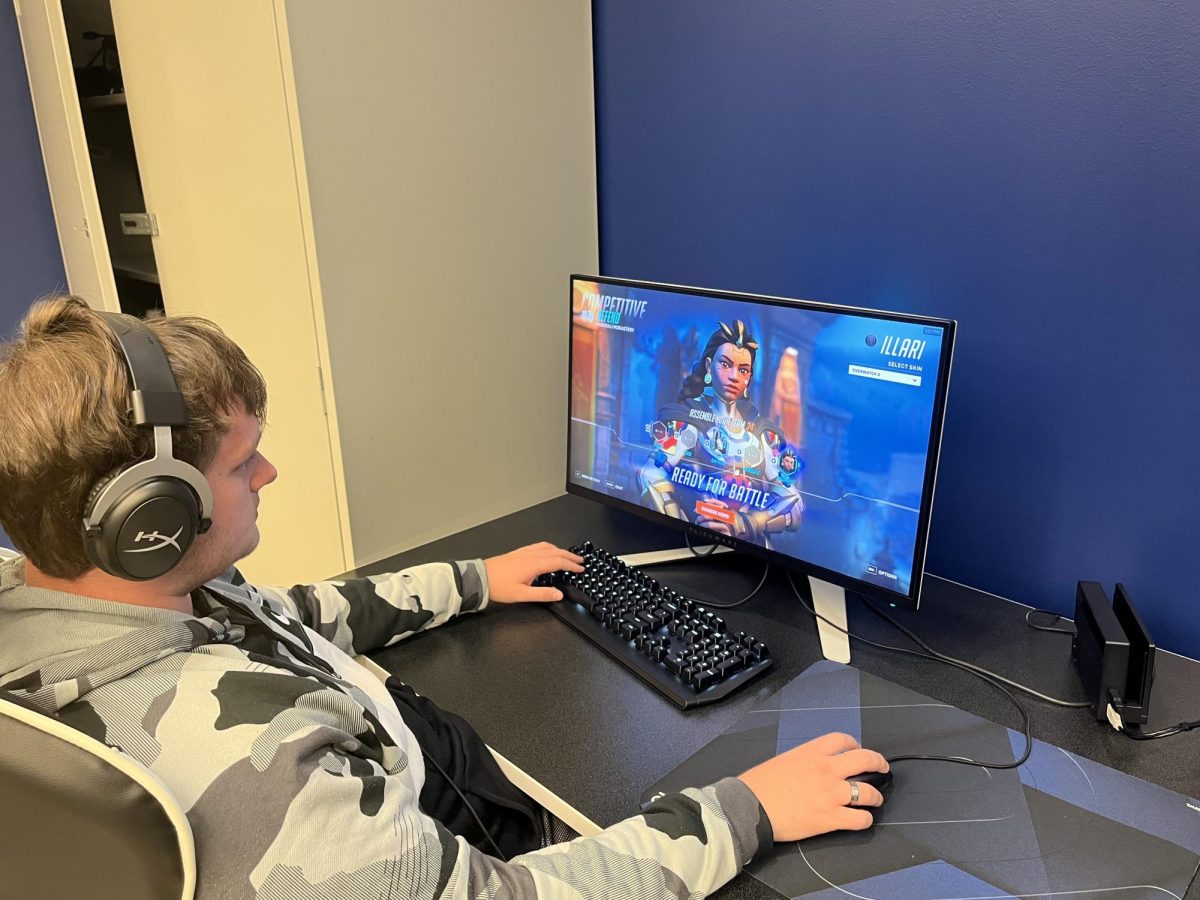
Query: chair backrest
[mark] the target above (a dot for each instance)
(80, 819)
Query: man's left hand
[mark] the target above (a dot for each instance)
(510, 577)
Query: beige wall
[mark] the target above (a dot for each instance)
(450, 159)
(216, 157)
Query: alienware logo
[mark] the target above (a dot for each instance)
(155, 536)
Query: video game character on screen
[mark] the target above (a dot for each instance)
(717, 462)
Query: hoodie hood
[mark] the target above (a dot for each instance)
(55, 647)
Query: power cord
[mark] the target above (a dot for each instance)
(688, 539)
(1139, 735)
(750, 596)
(962, 761)
(1047, 612)
(1069, 704)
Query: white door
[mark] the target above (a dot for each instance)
(221, 171)
(64, 149)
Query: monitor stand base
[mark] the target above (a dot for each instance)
(830, 601)
(659, 557)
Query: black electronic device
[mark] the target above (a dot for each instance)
(802, 432)
(881, 781)
(1114, 654)
(677, 646)
(140, 519)
(1135, 705)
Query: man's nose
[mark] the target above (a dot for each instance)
(269, 475)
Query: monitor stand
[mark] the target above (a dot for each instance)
(679, 554)
(828, 599)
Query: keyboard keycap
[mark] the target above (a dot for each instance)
(728, 667)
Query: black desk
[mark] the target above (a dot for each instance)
(592, 733)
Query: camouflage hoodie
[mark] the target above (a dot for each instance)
(295, 770)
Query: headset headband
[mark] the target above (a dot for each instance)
(155, 396)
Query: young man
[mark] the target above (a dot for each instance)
(296, 767)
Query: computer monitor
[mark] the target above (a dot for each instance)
(806, 433)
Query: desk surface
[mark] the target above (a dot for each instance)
(597, 736)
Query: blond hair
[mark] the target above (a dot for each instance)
(65, 417)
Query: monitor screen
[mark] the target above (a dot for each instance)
(804, 432)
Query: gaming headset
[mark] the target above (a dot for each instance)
(140, 519)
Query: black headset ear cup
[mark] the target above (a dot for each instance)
(91, 536)
(90, 503)
(147, 528)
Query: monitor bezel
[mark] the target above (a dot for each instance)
(912, 599)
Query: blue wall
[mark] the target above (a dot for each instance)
(1031, 169)
(30, 259)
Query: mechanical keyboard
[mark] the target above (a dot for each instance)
(670, 641)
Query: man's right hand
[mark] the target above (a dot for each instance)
(510, 576)
(805, 791)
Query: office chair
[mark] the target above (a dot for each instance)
(79, 819)
(83, 820)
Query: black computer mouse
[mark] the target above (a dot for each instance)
(881, 781)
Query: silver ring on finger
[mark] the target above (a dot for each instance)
(853, 792)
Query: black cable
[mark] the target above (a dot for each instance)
(750, 596)
(1069, 704)
(1057, 618)
(467, 803)
(1134, 733)
(711, 550)
(948, 661)
(1161, 733)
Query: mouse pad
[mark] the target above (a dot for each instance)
(1060, 826)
